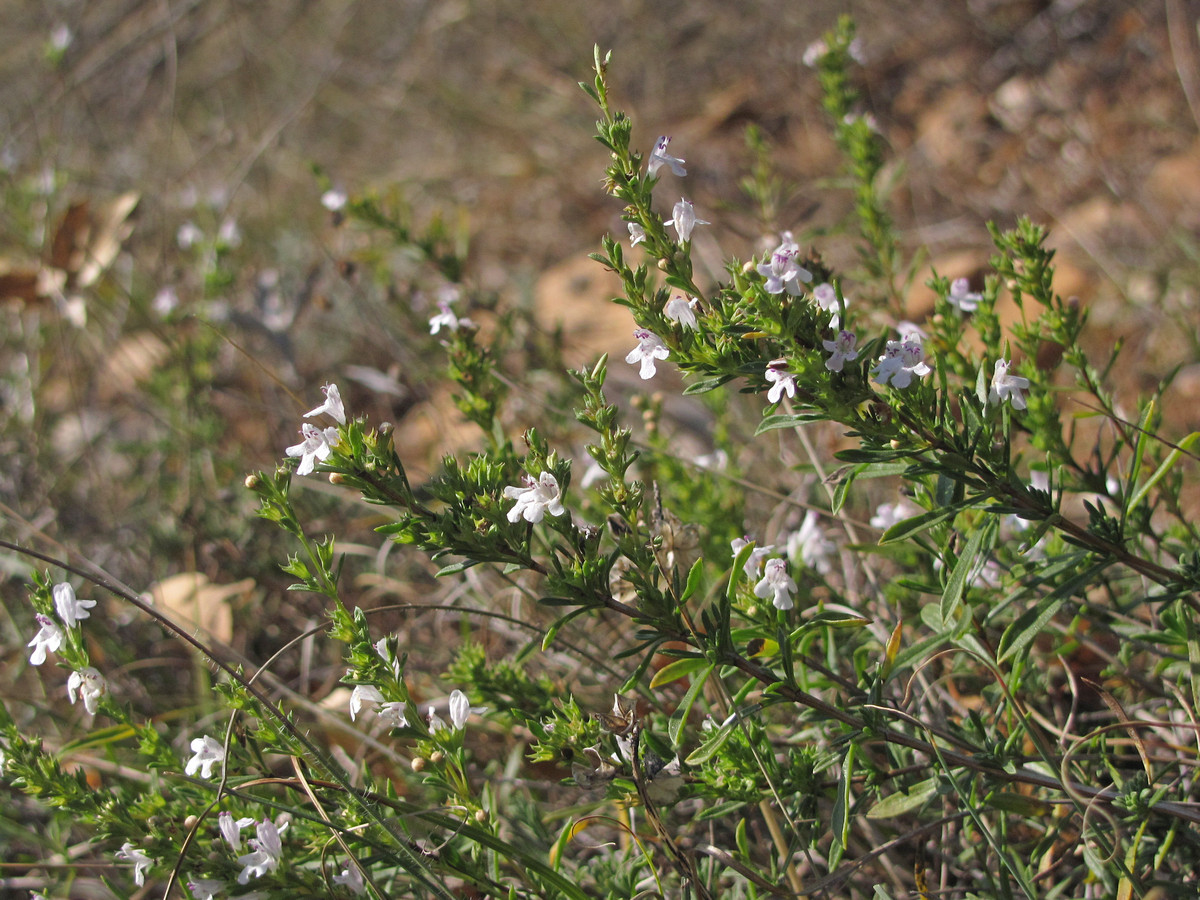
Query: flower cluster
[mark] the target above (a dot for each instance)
(318, 443)
(782, 272)
(901, 361)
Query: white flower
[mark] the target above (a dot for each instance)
(962, 296)
(90, 685)
(188, 235)
(332, 405)
(334, 200)
(48, 639)
(316, 447)
(448, 320)
(267, 850)
(781, 271)
(683, 220)
(784, 381)
(901, 360)
(778, 582)
(70, 608)
(363, 695)
(207, 753)
(809, 546)
(231, 829)
(718, 460)
(593, 474)
(393, 714)
(842, 348)
(826, 298)
(660, 157)
(206, 888)
(351, 878)
(460, 708)
(229, 234)
(755, 560)
(813, 53)
(435, 721)
(637, 234)
(650, 347)
(1007, 387)
(535, 499)
(889, 514)
(682, 310)
(141, 862)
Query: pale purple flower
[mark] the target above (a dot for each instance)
(461, 708)
(682, 310)
(637, 234)
(141, 862)
(1007, 387)
(784, 382)
(889, 514)
(48, 639)
(231, 829)
(206, 888)
(782, 272)
(843, 349)
(332, 405)
(385, 653)
(539, 496)
(436, 722)
(962, 296)
(683, 220)
(718, 460)
(207, 752)
(660, 157)
(70, 608)
(316, 447)
(188, 235)
(334, 200)
(755, 560)
(351, 878)
(776, 583)
(901, 360)
(90, 685)
(650, 348)
(363, 695)
(809, 546)
(268, 849)
(825, 296)
(813, 53)
(448, 320)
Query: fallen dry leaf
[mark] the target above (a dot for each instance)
(190, 598)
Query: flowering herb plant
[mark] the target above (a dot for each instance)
(846, 652)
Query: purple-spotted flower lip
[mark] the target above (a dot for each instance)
(539, 496)
(1007, 387)
(659, 157)
(650, 348)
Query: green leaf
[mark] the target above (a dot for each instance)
(706, 384)
(840, 820)
(680, 668)
(680, 716)
(710, 747)
(694, 580)
(917, 524)
(968, 561)
(769, 423)
(905, 801)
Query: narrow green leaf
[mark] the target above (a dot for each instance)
(840, 820)
(680, 716)
(770, 423)
(968, 561)
(694, 580)
(917, 524)
(680, 668)
(705, 385)
(905, 801)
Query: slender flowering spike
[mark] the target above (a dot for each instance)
(207, 753)
(776, 583)
(682, 310)
(683, 220)
(315, 448)
(70, 608)
(1007, 387)
(332, 405)
(351, 878)
(962, 296)
(660, 157)
(842, 348)
(141, 862)
(650, 347)
(637, 234)
(755, 560)
(782, 272)
(363, 695)
(268, 849)
(784, 381)
(90, 685)
(901, 360)
(231, 829)
(535, 499)
(48, 639)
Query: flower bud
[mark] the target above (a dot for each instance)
(663, 263)
(190, 822)
(386, 428)
(436, 757)
(418, 763)
(481, 816)
(251, 481)
(336, 478)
